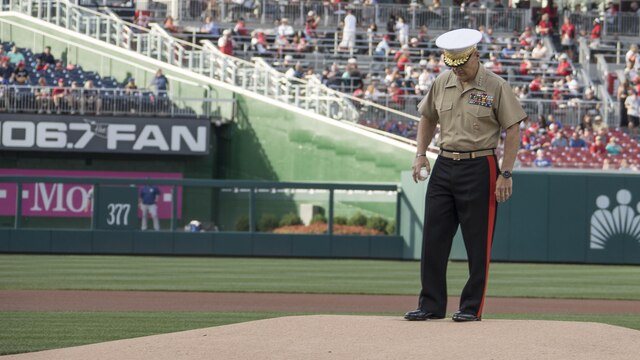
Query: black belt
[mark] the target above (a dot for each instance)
(454, 155)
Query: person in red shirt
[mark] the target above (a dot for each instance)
(525, 66)
(536, 84)
(567, 32)
(240, 29)
(564, 67)
(58, 94)
(397, 94)
(402, 57)
(598, 147)
(544, 27)
(596, 32)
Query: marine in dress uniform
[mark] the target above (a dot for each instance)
(472, 106)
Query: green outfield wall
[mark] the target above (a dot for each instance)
(553, 216)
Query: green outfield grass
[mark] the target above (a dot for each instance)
(306, 276)
(34, 331)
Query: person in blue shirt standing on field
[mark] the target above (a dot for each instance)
(148, 197)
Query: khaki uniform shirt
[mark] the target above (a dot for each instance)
(471, 119)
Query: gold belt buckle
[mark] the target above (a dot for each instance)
(456, 156)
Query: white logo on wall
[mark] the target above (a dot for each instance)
(622, 220)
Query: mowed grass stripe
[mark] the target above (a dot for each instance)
(306, 276)
(34, 331)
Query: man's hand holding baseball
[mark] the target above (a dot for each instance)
(419, 163)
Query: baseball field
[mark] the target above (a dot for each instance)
(49, 302)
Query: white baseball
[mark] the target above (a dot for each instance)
(424, 173)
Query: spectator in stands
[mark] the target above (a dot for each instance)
(132, 94)
(525, 66)
(402, 30)
(6, 71)
(382, 49)
(41, 66)
(596, 33)
(226, 43)
(397, 96)
(573, 86)
(634, 7)
(281, 44)
(43, 96)
(284, 29)
(423, 34)
(209, 27)
(631, 55)
(610, 13)
(20, 75)
(576, 141)
(295, 72)
(46, 56)
(259, 42)
(606, 164)
(91, 97)
(587, 136)
(632, 106)
(349, 31)
(613, 148)
(551, 11)
(544, 27)
(159, 83)
(540, 52)
(299, 44)
(372, 93)
(599, 124)
(59, 67)
(621, 93)
(140, 18)
(526, 38)
(15, 56)
(75, 97)
(564, 67)
(535, 86)
(311, 26)
(425, 80)
(508, 52)
(352, 76)
(59, 95)
(568, 36)
(559, 141)
(240, 29)
(391, 27)
(494, 64)
(168, 25)
(541, 160)
(598, 146)
(402, 58)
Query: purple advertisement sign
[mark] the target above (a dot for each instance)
(74, 200)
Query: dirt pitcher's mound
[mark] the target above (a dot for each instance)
(371, 337)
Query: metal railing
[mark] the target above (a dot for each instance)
(415, 15)
(622, 24)
(116, 102)
(206, 59)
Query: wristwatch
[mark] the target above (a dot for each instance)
(419, 155)
(506, 174)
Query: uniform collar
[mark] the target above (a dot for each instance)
(479, 81)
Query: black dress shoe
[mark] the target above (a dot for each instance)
(421, 315)
(461, 317)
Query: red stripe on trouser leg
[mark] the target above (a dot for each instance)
(490, 224)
